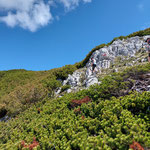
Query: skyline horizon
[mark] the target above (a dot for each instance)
(77, 27)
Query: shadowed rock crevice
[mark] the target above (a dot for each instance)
(142, 83)
(3, 112)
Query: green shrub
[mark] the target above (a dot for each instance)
(65, 87)
(108, 124)
(113, 120)
(63, 72)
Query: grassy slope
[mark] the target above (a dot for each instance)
(106, 123)
(20, 88)
(9, 80)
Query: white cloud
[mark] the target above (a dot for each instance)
(32, 14)
(87, 1)
(71, 4)
(28, 14)
(16, 4)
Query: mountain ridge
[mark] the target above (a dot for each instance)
(113, 114)
(131, 50)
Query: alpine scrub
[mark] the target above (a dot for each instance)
(111, 115)
(107, 121)
(20, 89)
(26, 82)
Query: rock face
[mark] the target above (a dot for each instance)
(74, 79)
(125, 47)
(104, 57)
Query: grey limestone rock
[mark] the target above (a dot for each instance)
(91, 80)
(104, 57)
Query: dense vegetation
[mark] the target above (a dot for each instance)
(113, 117)
(108, 121)
(20, 88)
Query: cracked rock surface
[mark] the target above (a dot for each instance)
(104, 57)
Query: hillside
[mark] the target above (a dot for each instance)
(113, 58)
(108, 121)
(19, 89)
(71, 108)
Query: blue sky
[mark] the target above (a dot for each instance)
(70, 29)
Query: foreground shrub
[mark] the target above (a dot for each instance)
(75, 103)
(30, 146)
(65, 87)
(105, 124)
(136, 146)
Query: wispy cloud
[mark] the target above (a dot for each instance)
(140, 6)
(32, 14)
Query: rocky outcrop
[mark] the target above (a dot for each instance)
(142, 83)
(74, 79)
(104, 57)
(126, 47)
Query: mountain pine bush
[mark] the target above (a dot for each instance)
(109, 116)
(107, 122)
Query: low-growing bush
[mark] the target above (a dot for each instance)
(65, 87)
(136, 146)
(63, 72)
(111, 117)
(75, 103)
(107, 125)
